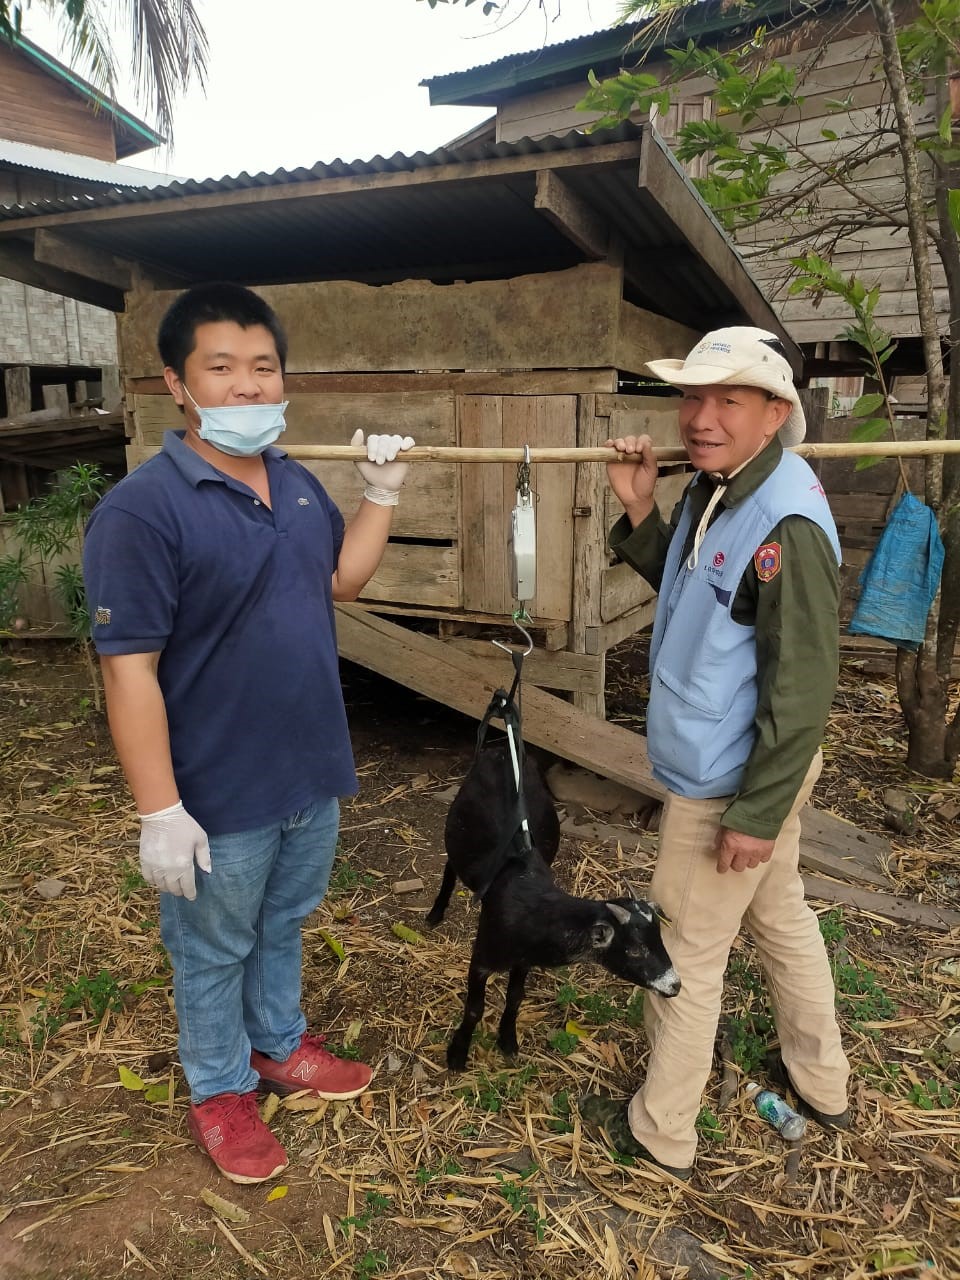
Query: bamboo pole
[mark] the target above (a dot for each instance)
(667, 454)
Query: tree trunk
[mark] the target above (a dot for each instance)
(923, 678)
(924, 703)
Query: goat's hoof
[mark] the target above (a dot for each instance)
(509, 1048)
(457, 1057)
(433, 918)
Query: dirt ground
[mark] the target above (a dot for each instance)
(488, 1173)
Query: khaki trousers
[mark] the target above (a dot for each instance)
(707, 910)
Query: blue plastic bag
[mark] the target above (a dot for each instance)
(900, 580)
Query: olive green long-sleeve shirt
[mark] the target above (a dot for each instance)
(795, 614)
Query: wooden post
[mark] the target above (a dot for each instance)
(816, 402)
(589, 538)
(55, 397)
(16, 383)
(110, 387)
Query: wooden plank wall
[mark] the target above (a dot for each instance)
(345, 327)
(841, 69)
(39, 109)
(489, 493)
(538, 115)
(557, 320)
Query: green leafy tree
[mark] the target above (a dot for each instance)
(163, 41)
(770, 181)
(45, 528)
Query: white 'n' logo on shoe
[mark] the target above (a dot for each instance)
(212, 1137)
(304, 1071)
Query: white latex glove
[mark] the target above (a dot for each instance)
(170, 840)
(383, 475)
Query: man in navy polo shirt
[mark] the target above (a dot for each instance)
(211, 573)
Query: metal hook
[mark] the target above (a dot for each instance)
(523, 475)
(526, 635)
(528, 638)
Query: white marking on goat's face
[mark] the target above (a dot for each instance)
(645, 910)
(668, 984)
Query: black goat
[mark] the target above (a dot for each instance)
(482, 830)
(526, 920)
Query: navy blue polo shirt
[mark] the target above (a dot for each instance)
(183, 560)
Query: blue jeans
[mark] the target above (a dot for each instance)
(236, 949)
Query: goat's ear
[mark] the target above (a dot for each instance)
(601, 935)
(620, 914)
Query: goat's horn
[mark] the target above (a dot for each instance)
(619, 913)
(631, 891)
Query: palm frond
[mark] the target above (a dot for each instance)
(161, 42)
(88, 39)
(170, 49)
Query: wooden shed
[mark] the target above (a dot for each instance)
(501, 294)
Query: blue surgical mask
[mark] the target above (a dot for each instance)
(242, 430)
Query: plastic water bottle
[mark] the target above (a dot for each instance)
(787, 1122)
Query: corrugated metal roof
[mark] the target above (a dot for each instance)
(397, 163)
(465, 214)
(537, 60)
(22, 155)
(519, 73)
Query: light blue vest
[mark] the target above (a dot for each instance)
(703, 665)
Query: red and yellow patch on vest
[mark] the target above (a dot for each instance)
(767, 561)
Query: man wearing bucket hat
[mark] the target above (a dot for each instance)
(743, 667)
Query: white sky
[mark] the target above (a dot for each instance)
(293, 82)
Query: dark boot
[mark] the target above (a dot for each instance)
(610, 1115)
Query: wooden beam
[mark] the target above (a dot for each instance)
(571, 215)
(18, 263)
(495, 382)
(496, 167)
(55, 250)
(51, 421)
(661, 175)
(889, 905)
(546, 670)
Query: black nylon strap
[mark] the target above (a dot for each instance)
(506, 707)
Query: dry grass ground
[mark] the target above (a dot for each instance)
(487, 1174)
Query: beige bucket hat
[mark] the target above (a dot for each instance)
(745, 356)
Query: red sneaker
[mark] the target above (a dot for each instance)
(229, 1129)
(314, 1068)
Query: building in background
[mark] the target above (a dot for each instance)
(60, 139)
